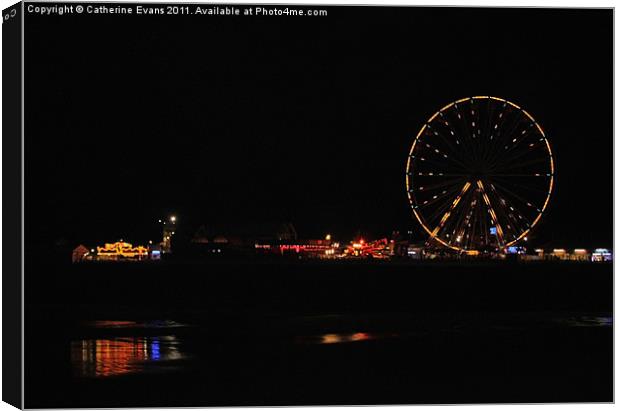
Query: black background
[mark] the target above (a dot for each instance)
(301, 119)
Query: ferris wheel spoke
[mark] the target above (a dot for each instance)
(513, 225)
(488, 134)
(437, 175)
(425, 159)
(534, 146)
(438, 197)
(444, 156)
(472, 125)
(490, 118)
(494, 220)
(454, 204)
(504, 132)
(461, 218)
(435, 216)
(513, 164)
(512, 124)
(471, 227)
(523, 209)
(496, 131)
(510, 156)
(429, 187)
(531, 168)
(542, 157)
(528, 205)
(482, 220)
(480, 131)
(531, 130)
(466, 143)
(469, 124)
(458, 154)
(514, 184)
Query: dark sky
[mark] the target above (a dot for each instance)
(308, 120)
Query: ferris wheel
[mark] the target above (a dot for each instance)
(479, 174)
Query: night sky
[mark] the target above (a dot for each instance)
(308, 120)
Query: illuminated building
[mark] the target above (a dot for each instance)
(415, 251)
(372, 249)
(154, 251)
(310, 248)
(515, 250)
(601, 255)
(120, 251)
(560, 253)
(580, 254)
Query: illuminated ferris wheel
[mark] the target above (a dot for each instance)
(479, 174)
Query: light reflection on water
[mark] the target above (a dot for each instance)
(103, 324)
(588, 321)
(341, 338)
(500, 324)
(118, 356)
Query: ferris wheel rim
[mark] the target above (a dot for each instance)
(551, 175)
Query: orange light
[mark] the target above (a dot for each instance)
(330, 339)
(122, 249)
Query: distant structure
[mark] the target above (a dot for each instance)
(245, 235)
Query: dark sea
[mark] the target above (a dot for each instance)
(284, 332)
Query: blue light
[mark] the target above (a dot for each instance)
(155, 349)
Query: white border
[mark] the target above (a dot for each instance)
(481, 3)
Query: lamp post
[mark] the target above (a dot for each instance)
(168, 230)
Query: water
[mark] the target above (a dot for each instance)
(304, 334)
(141, 350)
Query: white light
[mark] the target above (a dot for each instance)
(173, 219)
